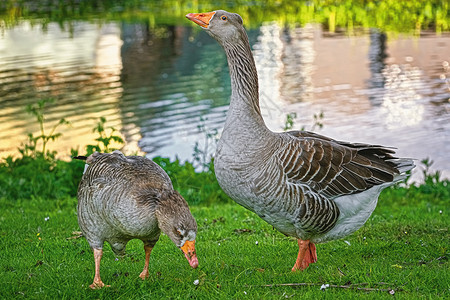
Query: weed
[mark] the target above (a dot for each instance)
(105, 139)
(430, 178)
(317, 121)
(290, 120)
(432, 182)
(30, 148)
(202, 156)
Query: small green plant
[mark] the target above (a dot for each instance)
(290, 120)
(105, 139)
(202, 156)
(317, 121)
(429, 177)
(432, 181)
(30, 148)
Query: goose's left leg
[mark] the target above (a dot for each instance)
(98, 283)
(306, 255)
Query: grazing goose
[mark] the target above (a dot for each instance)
(307, 186)
(130, 197)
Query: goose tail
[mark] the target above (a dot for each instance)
(403, 165)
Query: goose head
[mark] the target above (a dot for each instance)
(183, 236)
(223, 26)
(177, 222)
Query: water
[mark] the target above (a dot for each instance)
(167, 89)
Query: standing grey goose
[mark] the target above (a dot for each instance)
(307, 186)
(130, 197)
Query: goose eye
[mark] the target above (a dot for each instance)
(224, 18)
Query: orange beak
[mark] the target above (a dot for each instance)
(189, 252)
(201, 19)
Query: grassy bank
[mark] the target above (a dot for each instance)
(402, 248)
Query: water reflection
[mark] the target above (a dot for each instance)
(166, 88)
(402, 100)
(171, 83)
(80, 70)
(377, 56)
(299, 56)
(267, 52)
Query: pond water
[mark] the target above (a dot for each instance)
(167, 89)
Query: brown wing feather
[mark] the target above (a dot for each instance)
(333, 168)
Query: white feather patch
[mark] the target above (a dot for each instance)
(354, 210)
(85, 168)
(189, 237)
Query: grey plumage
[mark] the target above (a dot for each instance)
(126, 197)
(306, 185)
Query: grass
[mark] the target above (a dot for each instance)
(403, 247)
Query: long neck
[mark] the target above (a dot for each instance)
(244, 82)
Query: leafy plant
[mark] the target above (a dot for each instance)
(105, 139)
(431, 178)
(202, 156)
(432, 181)
(317, 121)
(30, 148)
(290, 120)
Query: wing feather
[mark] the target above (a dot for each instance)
(333, 168)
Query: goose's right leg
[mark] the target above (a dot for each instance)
(306, 255)
(148, 249)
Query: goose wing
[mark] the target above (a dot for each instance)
(333, 168)
(133, 172)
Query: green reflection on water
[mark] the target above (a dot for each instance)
(390, 15)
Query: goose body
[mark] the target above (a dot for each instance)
(126, 197)
(306, 185)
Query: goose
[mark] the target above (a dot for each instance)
(307, 186)
(130, 197)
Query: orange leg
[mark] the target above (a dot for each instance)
(97, 284)
(306, 255)
(144, 274)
